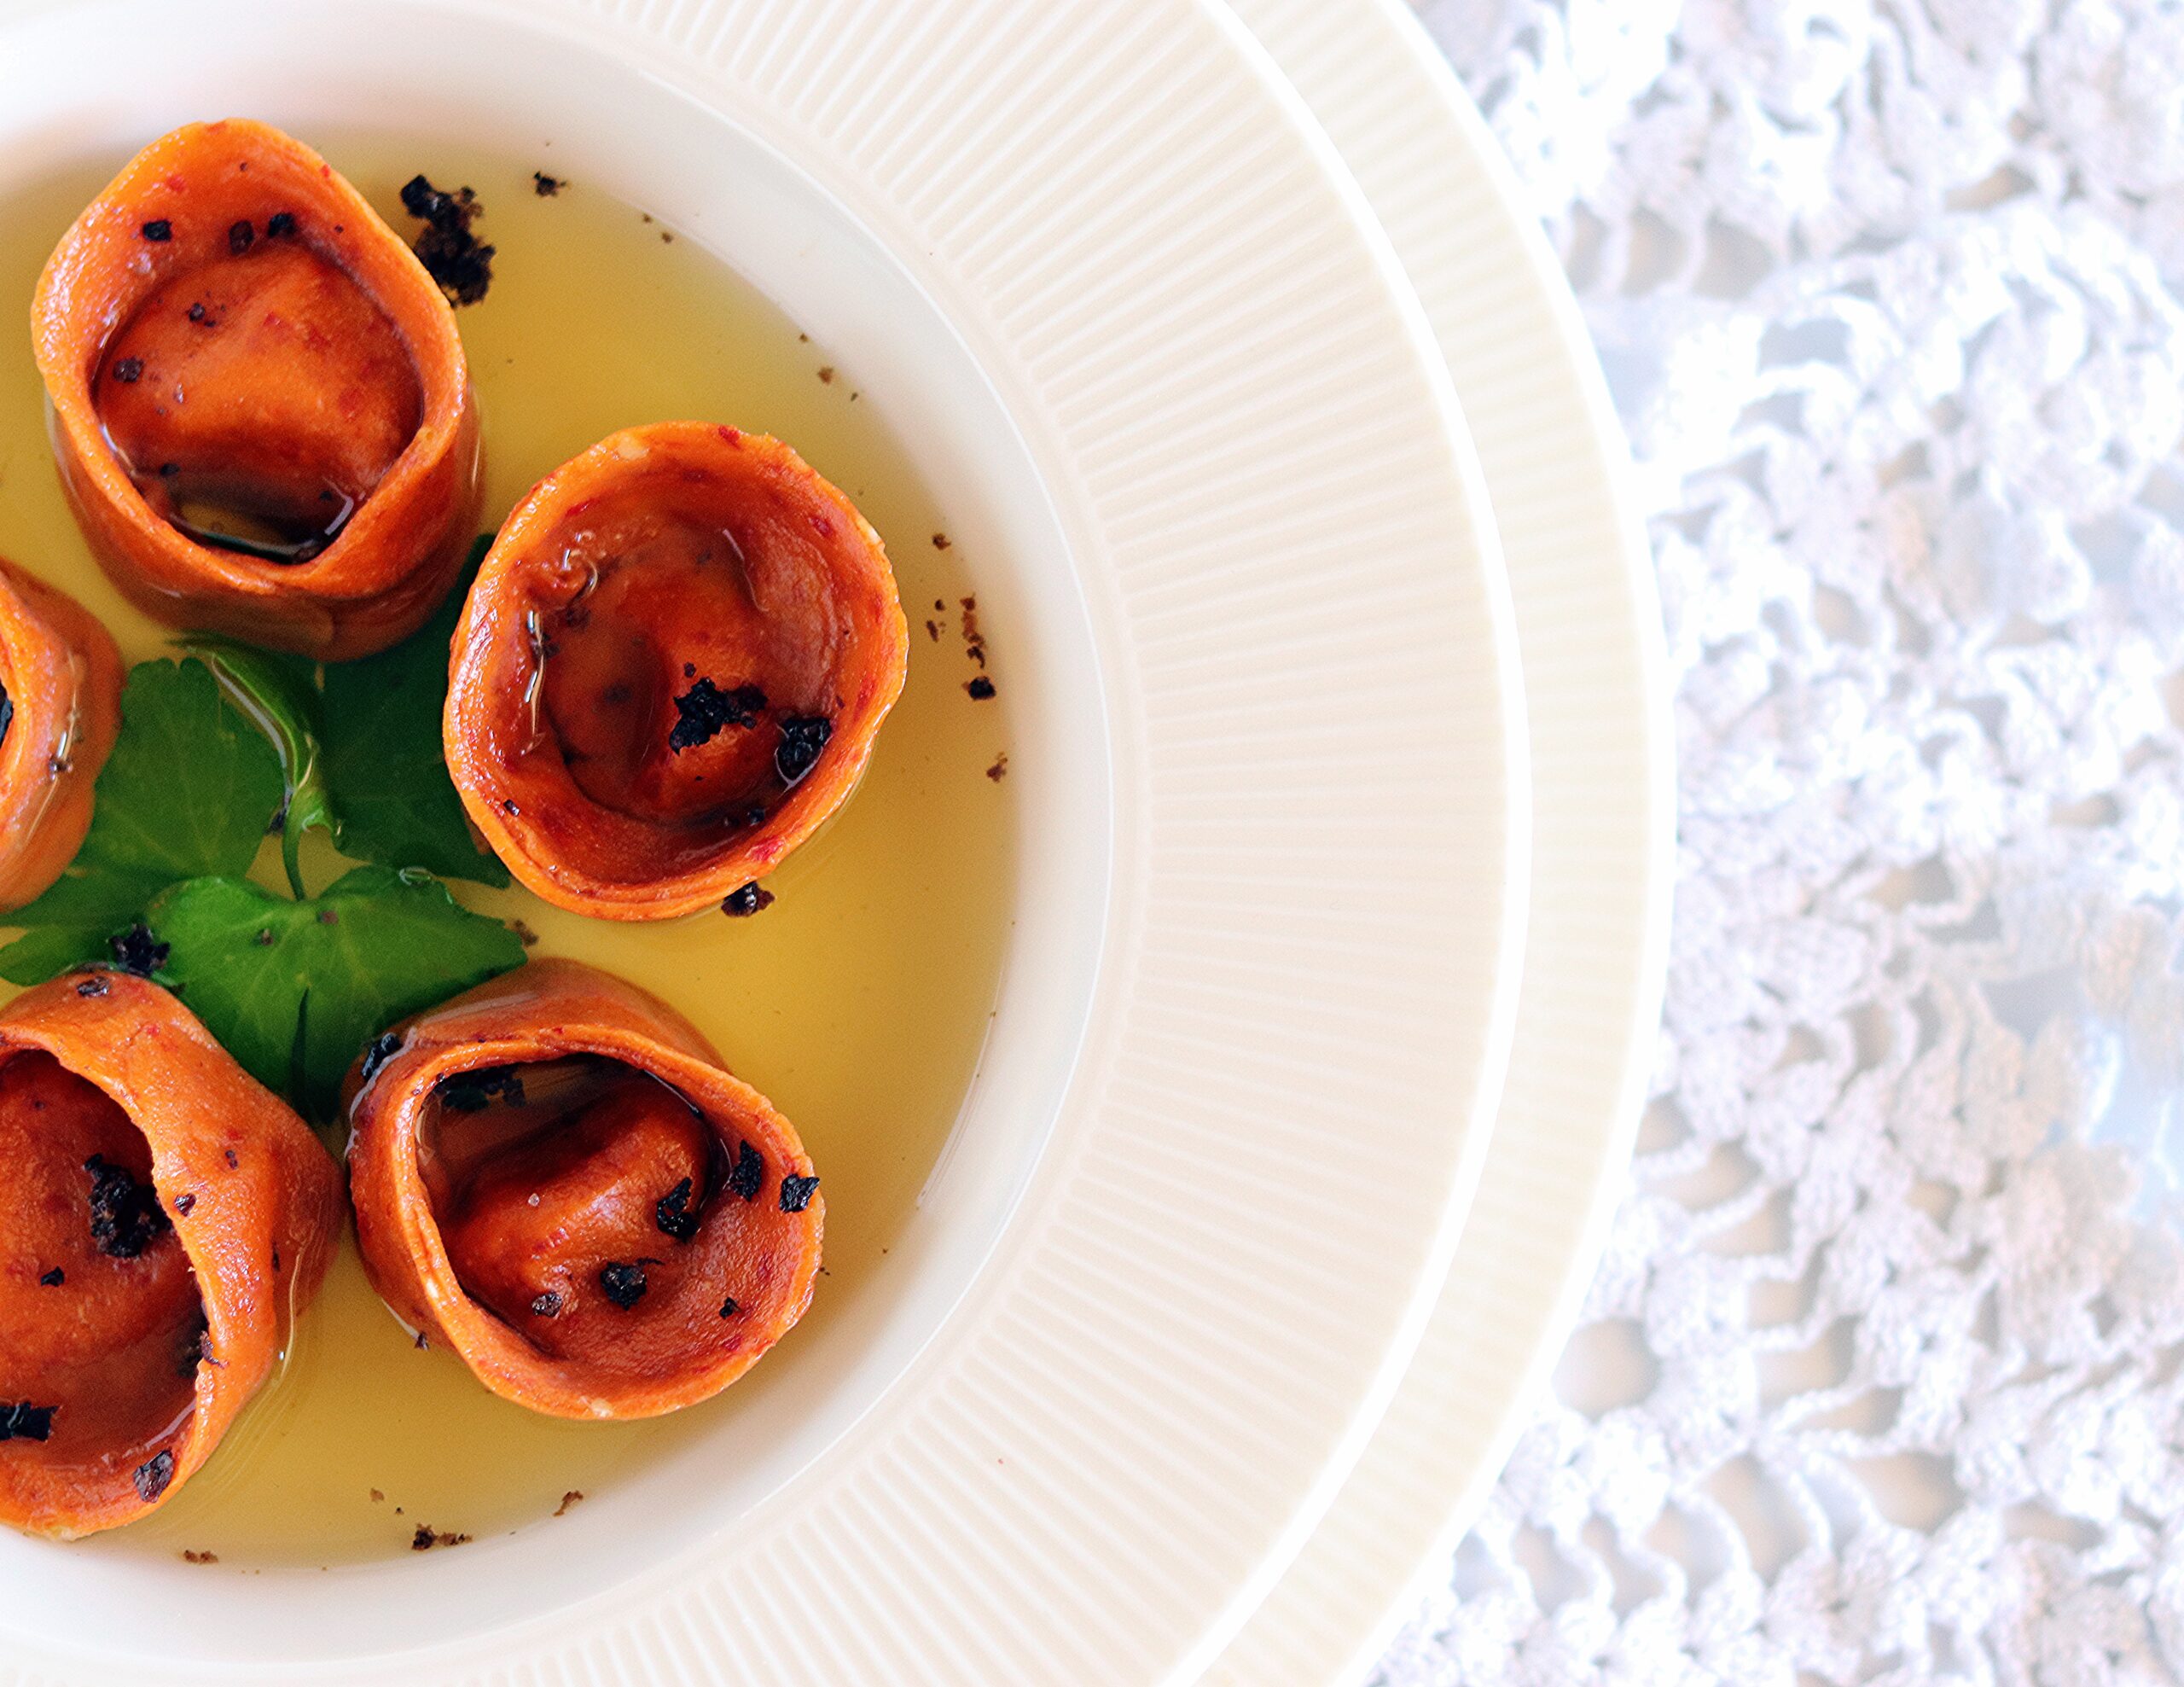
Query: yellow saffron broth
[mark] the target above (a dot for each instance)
(858, 1001)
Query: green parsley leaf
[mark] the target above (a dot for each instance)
(188, 791)
(279, 693)
(384, 759)
(41, 953)
(374, 945)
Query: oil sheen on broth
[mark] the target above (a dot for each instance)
(858, 1001)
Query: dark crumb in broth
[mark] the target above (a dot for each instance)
(747, 900)
(455, 258)
(974, 641)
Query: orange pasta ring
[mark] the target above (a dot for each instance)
(553, 1175)
(671, 670)
(60, 708)
(167, 1218)
(261, 409)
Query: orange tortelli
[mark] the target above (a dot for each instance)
(554, 1176)
(60, 683)
(167, 1217)
(262, 412)
(671, 670)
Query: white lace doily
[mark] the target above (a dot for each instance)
(1882, 1379)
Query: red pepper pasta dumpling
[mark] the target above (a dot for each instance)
(671, 668)
(59, 711)
(261, 409)
(554, 1176)
(166, 1219)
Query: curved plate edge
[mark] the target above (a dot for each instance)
(1442, 102)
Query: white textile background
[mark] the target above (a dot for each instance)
(1882, 1378)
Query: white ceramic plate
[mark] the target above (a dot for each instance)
(1596, 688)
(1107, 280)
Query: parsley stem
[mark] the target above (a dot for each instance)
(291, 837)
(299, 1055)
